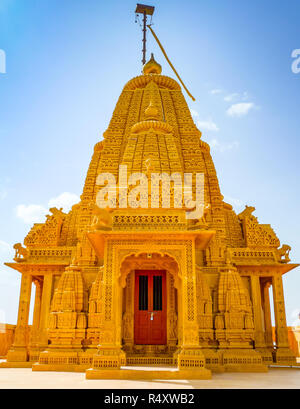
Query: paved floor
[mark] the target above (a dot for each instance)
(286, 378)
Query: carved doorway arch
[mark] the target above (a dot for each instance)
(154, 261)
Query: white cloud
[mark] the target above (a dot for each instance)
(208, 125)
(3, 194)
(235, 95)
(194, 113)
(5, 249)
(34, 213)
(245, 95)
(231, 97)
(296, 318)
(31, 213)
(240, 109)
(66, 200)
(236, 203)
(223, 147)
(6, 278)
(216, 91)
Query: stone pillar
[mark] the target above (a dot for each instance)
(281, 330)
(36, 312)
(18, 352)
(283, 354)
(45, 309)
(172, 317)
(267, 315)
(128, 316)
(257, 312)
(191, 356)
(110, 354)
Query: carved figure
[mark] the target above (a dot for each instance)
(57, 213)
(202, 222)
(173, 325)
(21, 252)
(127, 319)
(247, 212)
(283, 253)
(102, 218)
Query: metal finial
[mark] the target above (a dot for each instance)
(145, 11)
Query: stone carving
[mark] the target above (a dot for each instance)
(21, 253)
(173, 325)
(257, 235)
(48, 234)
(57, 213)
(201, 223)
(247, 212)
(127, 325)
(102, 218)
(283, 253)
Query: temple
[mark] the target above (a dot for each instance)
(117, 288)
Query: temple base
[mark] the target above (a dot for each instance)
(59, 368)
(142, 373)
(191, 358)
(16, 365)
(109, 357)
(17, 354)
(266, 355)
(235, 360)
(284, 356)
(243, 360)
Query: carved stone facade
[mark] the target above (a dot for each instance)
(218, 269)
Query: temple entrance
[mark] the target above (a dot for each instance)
(151, 306)
(150, 309)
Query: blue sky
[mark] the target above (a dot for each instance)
(67, 62)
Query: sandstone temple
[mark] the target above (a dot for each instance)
(118, 288)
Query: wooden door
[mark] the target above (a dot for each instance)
(150, 317)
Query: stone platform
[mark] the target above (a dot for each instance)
(276, 378)
(148, 373)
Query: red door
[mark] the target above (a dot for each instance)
(150, 318)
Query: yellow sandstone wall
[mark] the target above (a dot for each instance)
(294, 339)
(7, 334)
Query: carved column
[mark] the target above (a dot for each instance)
(19, 353)
(36, 312)
(172, 321)
(283, 353)
(190, 356)
(128, 314)
(110, 354)
(34, 349)
(257, 312)
(45, 309)
(279, 310)
(267, 314)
